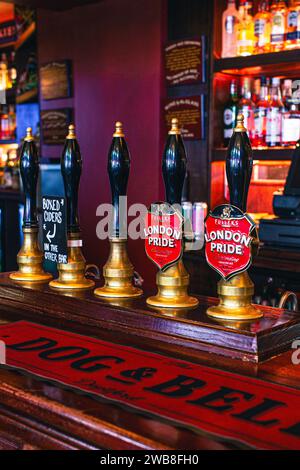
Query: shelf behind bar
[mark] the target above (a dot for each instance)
(287, 62)
(219, 154)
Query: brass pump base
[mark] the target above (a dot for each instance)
(72, 275)
(30, 260)
(235, 300)
(118, 273)
(172, 287)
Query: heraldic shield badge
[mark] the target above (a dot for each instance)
(163, 234)
(229, 234)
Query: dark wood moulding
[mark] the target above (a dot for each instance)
(37, 414)
(191, 330)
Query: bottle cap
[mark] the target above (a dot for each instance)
(174, 127)
(240, 124)
(119, 130)
(29, 136)
(71, 134)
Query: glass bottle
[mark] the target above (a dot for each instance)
(12, 122)
(274, 115)
(12, 71)
(230, 113)
(246, 106)
(278, 23)
(293, 25)
(291, 125)
(3, 72)
(230, 19)
(287, 93)
(4, 123)
(262, 28)
(245, 30)
(260, 115)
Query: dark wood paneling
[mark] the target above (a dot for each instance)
(191, 19)
(53, 4)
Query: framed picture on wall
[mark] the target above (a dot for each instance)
(189, 111)
(56, 80)
(55, 124)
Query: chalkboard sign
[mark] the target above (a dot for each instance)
(189, 112)
(185, 62)
(56, 80)
(55, 243)
(55, 124)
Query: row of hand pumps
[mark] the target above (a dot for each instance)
(118, 272)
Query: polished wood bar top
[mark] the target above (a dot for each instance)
(38, 414)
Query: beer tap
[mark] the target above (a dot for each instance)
(172, 283)
(236, 293)
(72, 274)
(30, 257)
(118, 271)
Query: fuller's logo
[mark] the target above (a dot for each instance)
(228, 240)
(163, 235)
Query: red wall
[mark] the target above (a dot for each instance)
(115, 47)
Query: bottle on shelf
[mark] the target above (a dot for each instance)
(4, 123)
(260, 115)
(274, 115)
(292, 40)
(262, 28)
(230, 113)
(3, 73)
(12, 71)
(12, 122)
(291, 125)
(245, 29)
(230, 19)
(246, 106)
(278, 25)
(256, 90)
(287, 93)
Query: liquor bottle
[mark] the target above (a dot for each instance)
(262, 28)
(12, 122)
(230, 19)
(256, 90)
(291, 125)
(260, 115)
(293, 25)
(12, 71)
(4, 123)
(230, 113)
(278, 23)
(245, 30)
(246, 106)
(274, 115)
(3, 72)
(287, 93)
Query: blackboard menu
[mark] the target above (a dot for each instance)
(189, 112)
(184, 62)
(56, 80)
(55, 124)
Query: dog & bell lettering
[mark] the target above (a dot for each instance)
(230, 233)
(55, 229)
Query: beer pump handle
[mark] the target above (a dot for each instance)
(118, 168)
(239, 162)
(29, 170)
(174, 164)
(71, 167)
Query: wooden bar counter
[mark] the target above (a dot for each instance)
(40, 413)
